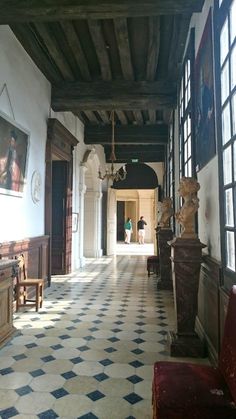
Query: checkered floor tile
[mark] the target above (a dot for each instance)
(89, 352)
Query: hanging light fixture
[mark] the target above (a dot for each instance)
(113, 175)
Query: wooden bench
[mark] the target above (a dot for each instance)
(190, 391)
(153, 264)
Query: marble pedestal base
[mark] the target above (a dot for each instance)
(186, 256)
(164, 280)
(185, 345)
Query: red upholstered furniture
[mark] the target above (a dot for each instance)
(189, 391)
(153, 264)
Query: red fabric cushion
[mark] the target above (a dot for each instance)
(227, 362)
(189, 391)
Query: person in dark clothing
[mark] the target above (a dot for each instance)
(141, 231)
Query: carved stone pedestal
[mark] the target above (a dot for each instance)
(186, 257)
(164, 281)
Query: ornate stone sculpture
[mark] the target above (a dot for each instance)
(188, 189)
(166, 212)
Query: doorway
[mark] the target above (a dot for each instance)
(120, 220)
(58, 197)
(61, 250)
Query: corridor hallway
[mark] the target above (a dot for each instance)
(89, 352)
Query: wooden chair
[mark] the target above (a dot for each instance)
(23, 284)
(182, 390)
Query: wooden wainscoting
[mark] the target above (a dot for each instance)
(208, 319)
(35, 250)
(223, 300)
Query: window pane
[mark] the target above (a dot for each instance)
(189, 147)
(235, 161)
(230, 249)
(188, 64)
(233, 68)
(232, 22)
(225, 82)
(189, 124)
(224, 42)
(190, 168)
(234, 113)
(229, 212)
(227, 165)
(226, 125)
(185, 130)
(188, 92)
(185, 152)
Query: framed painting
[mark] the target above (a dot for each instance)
(14, 148)
(204, 99)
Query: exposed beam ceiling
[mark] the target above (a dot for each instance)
(127, 134)
(54, 10)
(104, 55)
(73, 96)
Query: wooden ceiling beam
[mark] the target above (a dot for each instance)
(95, 29)
(74, 43)
(53, 10)
(138, 117)
(122, 117)
(36, 50)
(91, 117)
(127, 134)
(153, 47)
(122, 36)
(54, 50)
(136, 148)
(105, 95)
(104, 117)
(140, 156)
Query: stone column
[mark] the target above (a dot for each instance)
(186, 257)
(164, 281)
(82, 190)
(98, 223)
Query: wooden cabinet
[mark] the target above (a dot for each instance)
(6, 298)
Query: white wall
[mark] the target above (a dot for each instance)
(25, 96)
(208, 214)
(159, 170)
(26, 100)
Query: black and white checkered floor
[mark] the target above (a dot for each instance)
(89, 352)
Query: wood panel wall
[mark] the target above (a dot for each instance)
(35, 250)
(207, 322)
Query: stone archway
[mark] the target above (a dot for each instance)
(92, 196)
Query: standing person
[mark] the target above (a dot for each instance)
(141, 231)
(128, 230)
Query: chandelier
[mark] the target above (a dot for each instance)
(113, 175)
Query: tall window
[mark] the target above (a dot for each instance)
(185, 112)
(170, 162)
(170, 192)
(227, 19)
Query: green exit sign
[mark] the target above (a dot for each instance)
(134, 160)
